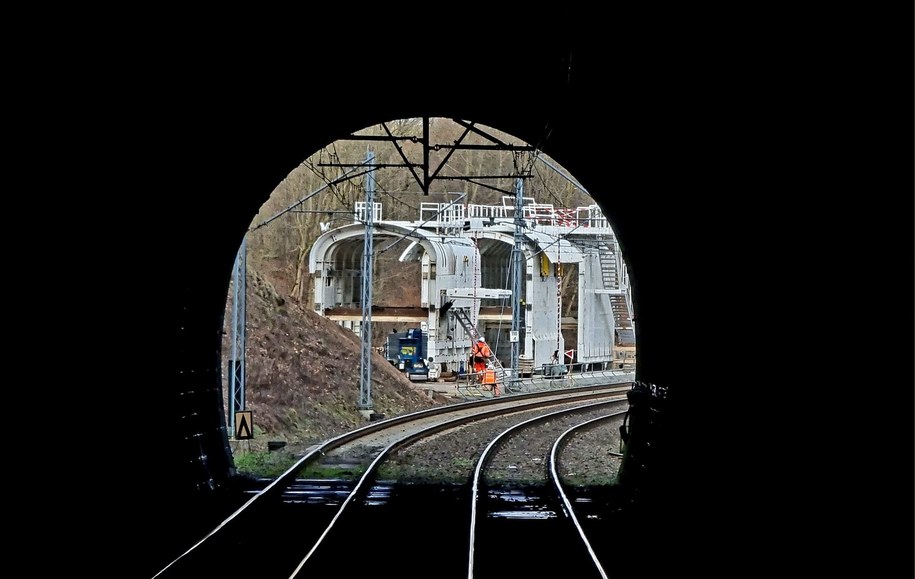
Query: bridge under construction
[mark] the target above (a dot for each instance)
(489, 270)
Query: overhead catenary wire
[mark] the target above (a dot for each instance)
(559, 238)
(328, 183)
(523, 161)
(332, 182)
(522, 167)
(415, 229)
(562, 174)
(331, 150)
(546, 187)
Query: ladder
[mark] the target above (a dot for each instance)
(461, 315)
(615, 279)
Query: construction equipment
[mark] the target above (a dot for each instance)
(463, 318)
(407, 351)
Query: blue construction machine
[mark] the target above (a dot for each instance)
(407, 351)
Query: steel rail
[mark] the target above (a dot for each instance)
(553, 461)
(486, 456)
(368, 476)
(514, 402)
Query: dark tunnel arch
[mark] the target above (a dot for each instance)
(214, 466)
(211, 462)
(347, 255)
(568, 116)
(732, 133)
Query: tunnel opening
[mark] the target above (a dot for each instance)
(299, 271)
(270, 137)
(717, 150)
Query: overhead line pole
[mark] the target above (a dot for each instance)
(425, 155)
(239, 315)
(365, 385)
(517, 275)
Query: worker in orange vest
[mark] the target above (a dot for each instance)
(489, 379)
(480, 355)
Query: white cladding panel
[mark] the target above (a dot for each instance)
(427, 283)
(462, 271)
(595, 315)
(542, 320)
(327, 286)
(465, 271)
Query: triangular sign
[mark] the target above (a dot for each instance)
(244, 425)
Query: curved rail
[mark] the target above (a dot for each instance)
(369, 473)
(557, 483)
(486, 456)
(497, 406)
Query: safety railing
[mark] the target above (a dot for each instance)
(548, 377)
(451, 215)
(470, 385)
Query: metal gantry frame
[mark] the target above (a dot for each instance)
(422, 172)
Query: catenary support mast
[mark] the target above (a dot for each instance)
(517, 276)
(237, 362)
(365, 384)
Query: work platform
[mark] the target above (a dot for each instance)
(464, 391)
(465, 254)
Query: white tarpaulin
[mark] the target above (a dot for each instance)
(557, 250)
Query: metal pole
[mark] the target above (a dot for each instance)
(365, 390)
(425, 155)
(242, 323)
(517, 274)
(237, 362)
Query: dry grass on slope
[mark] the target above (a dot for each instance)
(303, 372)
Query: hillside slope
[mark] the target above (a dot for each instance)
(303, 372)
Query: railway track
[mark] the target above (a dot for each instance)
(299, 526)
(505, 493)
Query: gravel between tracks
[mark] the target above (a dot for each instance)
(589, 458)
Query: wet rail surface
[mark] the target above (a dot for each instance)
(519, 492)
(308, 527)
